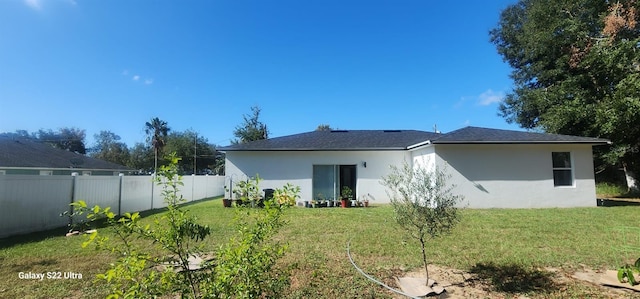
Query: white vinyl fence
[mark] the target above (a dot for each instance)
(30, 203)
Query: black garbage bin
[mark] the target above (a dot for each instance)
(268, 193)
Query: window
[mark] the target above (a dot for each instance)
(46, 172)
(562, 169)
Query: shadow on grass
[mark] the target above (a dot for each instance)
(617, 202)
(514, 278)
(11, 241)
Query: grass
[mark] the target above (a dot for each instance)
(609, 190)
(507, 248)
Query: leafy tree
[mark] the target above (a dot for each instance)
(323, 127)
(156, 131)
(141, 157)
(188, 145)
(423, 202)
(218, 163)
(70, 139)
(252, 129)
(109, 148)
(576, 70)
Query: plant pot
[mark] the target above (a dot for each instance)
(366, 203)
(239, 202)
(329, 204)
(344, 203)
(226, 203)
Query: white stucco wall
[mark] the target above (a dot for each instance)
(517, 176)
(296, 167)
(488, 176)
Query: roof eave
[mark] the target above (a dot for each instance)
(314, 149)
(524, 142)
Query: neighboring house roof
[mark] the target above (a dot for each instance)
(343, 140)
(18, 152)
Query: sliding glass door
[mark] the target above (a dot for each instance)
(328, 180)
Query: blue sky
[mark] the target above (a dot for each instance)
(200, 65)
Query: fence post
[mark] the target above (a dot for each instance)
(193, 187)
(121, 176)
(153, 182)
(74, 175)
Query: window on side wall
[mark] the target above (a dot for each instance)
(562, 169)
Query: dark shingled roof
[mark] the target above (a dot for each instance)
(470, 135)
(27, 153)
(340, 140)
(344, 140)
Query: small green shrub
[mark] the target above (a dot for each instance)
(625, 273)
(154, 261)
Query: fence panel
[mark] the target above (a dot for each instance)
(136, 193)
(30, 205)
(98, 190)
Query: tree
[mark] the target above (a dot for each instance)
(323, 127)
(576, 70)
(156, 131)
(252, 129)
(423, 202)
(141, 157)
(70, 139)
(194, 151)
(155, 258)
(109, 148)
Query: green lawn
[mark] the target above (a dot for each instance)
(513, 243)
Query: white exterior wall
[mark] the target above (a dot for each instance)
(277, 168)
(517, 176)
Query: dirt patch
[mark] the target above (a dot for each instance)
(511, 281)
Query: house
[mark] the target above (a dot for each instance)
(491, 168)
(27, 156)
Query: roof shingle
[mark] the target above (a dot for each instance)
(27, 153)
(349, 140)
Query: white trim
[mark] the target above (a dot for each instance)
(418, 145)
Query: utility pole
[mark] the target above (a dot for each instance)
(195, 149)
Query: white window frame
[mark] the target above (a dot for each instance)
(46, 172)
(570, 168)
(86, 172)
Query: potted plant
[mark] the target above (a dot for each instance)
(226, 202)
(247, 192)
(346, 195)
(365, 200)
(288, 195)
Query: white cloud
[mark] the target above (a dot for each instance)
(35, 4)
(490, 97)
(148, 81)
(135, 78)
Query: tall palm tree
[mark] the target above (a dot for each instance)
(157, 131)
